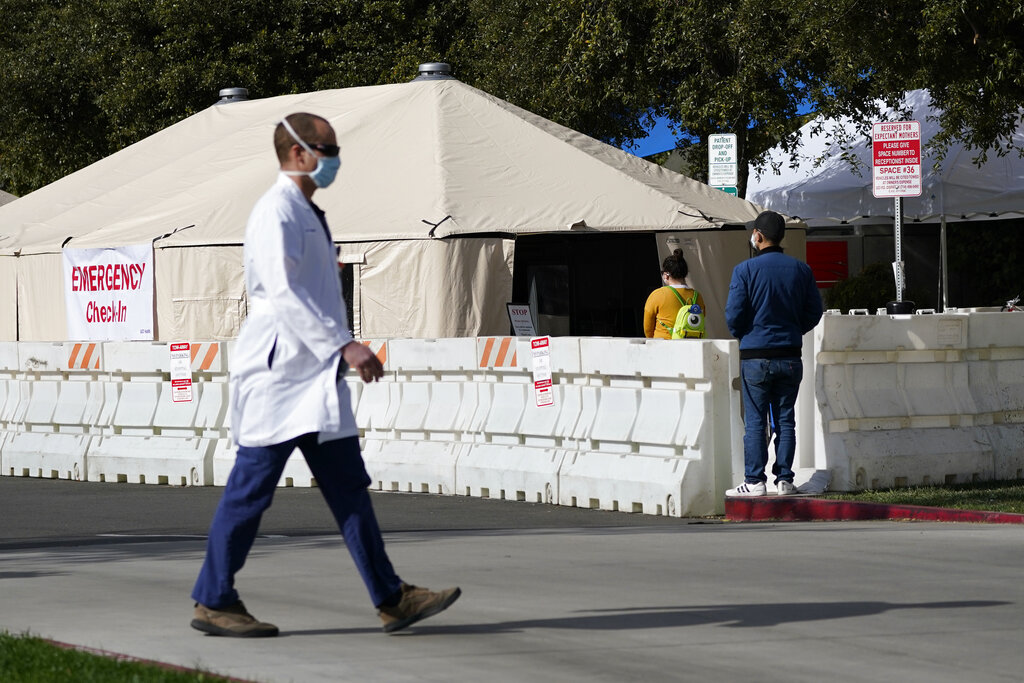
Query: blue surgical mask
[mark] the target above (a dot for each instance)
(325, 171)
(326, 167)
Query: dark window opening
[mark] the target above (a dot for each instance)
(586, 285)
(347, 282)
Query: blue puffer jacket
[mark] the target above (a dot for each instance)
(773, 301)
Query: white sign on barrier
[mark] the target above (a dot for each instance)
(108, 293)
(181, 372)
(541, 348)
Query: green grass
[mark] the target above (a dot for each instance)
(26, 659)
(993, 496)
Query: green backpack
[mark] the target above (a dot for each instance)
(689, 319)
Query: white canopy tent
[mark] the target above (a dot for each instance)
(437, 180)
(824, 188)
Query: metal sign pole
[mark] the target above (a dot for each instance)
(898, 266)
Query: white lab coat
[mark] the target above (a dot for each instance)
(284, 369)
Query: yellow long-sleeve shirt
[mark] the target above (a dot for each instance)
(661, 309)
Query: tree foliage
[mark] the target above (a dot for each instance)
(84, 78)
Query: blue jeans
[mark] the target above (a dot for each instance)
(341, 476)
(769, 384)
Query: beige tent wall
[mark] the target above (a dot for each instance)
(42, 315)
(200, 293)
(8, 298)
(454, 287)
(711, 256)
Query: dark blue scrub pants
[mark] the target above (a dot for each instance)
(341, 476)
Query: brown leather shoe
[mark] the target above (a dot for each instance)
(233, 621)
(416, 604)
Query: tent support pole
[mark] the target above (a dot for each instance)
(943, 258)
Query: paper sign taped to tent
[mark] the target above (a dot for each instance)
(108, 293)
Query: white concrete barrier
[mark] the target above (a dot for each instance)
(634, 425)
(912, 400)
(151, 460)
(104, 412)
(46, 455)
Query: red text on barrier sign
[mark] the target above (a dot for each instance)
(181, 372)
(541, 349)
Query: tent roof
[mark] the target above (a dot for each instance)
(431, 158)
(6, 197)
(831, 191)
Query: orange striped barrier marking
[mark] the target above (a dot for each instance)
(86, 357)
(499, 360)
(211, 355)
(382, 353)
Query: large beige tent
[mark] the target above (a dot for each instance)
(438, 180)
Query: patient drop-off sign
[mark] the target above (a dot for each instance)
(108, 293)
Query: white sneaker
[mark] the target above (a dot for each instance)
(747, 490)
(786, 488)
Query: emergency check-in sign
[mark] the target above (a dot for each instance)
(108, 293)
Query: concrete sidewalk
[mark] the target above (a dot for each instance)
(858, 601)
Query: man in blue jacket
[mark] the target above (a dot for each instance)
(773, 301)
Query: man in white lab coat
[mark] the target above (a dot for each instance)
(288, 391)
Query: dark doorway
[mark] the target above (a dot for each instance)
(591, 284)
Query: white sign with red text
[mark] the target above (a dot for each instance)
(522, 321)
(108, 293)
(896, 159)
(541, 350)
(181, 372)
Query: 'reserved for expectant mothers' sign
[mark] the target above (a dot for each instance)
(108, 293)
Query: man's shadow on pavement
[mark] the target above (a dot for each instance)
(635, 618)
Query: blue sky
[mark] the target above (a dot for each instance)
(659, 138)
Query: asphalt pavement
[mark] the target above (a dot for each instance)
(549, 593)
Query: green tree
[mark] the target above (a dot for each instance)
(970, 56)
(576, 62)
(83, 79)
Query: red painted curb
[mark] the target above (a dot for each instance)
(793, 509)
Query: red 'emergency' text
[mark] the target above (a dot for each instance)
(107, 277)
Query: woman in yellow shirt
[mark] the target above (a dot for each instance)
(663, 304)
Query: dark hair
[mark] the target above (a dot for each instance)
(675, 265)
(305, 127)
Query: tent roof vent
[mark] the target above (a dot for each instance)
(228, 95)
(435, 71)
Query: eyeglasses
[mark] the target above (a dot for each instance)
(326, 150)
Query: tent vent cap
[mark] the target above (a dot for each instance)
(435, 71)
(228, 95)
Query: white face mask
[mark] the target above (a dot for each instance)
(753, 240)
